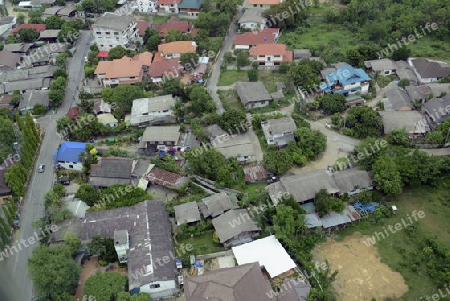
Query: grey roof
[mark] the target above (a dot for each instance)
(51, 11)
(9, 60)
(405, 71)
(114, 21)
(233, 223)
(34, 97)
(30, 73)
(381, 65)
(72, 225)
(146, 106)
(436, 106)
(141, 167)
(430, 69)
(438, 88)
(278, 126)
(216, 204)
(302, 53)
(148, 245)
(195, 4)
(333, 219)
(418, 92)
(411, 120)
(30, 84)
(78, 208)
(252, 15)
(102, 107)
(17, 47)
(350, 179)
(235, 146)
(187, 213)
(397, 99)
(49, 33)
(312, 220)
(244, 282)
(252, 92)
(295, 290)
(7, 20)
(215, 130)
(121, 237)
(66, 11)
(188, 139)
(111, 171)
(42, 2)
(161, 133)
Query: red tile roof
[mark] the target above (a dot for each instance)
(163, 177)
(73, 113)
(38, 27)
(173, 23)
(142, 27)
(169, 68)
(266, 36)
(103, 54)
(254, 172)
(268, 49)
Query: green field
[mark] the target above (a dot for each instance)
(229, 77)
(395, 250)
(202, 244)
(230, 100)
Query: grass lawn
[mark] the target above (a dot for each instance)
(269, 78)
(229, 77)
(202, 244)
(394, 249)
(251, 189)
(230, 100)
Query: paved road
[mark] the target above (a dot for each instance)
(15, 283)
(212, 81)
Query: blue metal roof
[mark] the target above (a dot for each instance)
(346, 75)
(69, 151)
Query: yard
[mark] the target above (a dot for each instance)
(202, 244)
(400, 251)
(229, 77)
(230, 100)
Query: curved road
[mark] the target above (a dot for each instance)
(15, 284)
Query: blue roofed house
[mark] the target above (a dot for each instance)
(68, 155)
(346, 80)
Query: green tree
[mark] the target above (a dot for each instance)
(88, 6)
(333, 103)
(61, 60)
(304, 73)
(401, 54)
(354, 58)
(88, 194)
(123, 96)
(117, 52)
(189, 61)
(60, 73)
(174, 35)
(39, 109)
(278, 162)
(206, 163)
(96, 246)
(172, 86)
(288, 225)
(20, 19)
(54, 22)
(53, 271)
(28, 35)
(369, 150)
(242, 58)
(72, 241)
(398, 136)
(7, 137)
(16, 98)
(105, 286)
(252, 75)
(311, 142)
(364, 121)
(234, 122)
(403, 82)
(56, 97)
(125, 296)
(386, 175)
(201, 101)
(323, 202)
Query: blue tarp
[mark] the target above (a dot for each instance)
(366, 207)
(198, 265)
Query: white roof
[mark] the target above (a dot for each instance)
(24, 3)
(268, 252)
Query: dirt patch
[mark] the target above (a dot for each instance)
(362, 276)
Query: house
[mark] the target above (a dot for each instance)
(244, 282)
(255, 173)
(248, 40)
(9, 60)
(239, 146)
(68, 155)
(405, 71)
(43, 53)
(25, 85)
(265, 4)
(7, 23)
(142, 26)
(40, 3)
(332, 220)
(108, 120)
(148, 6)
(102, 107)
(122, 71)
(173, 23)
(303, 187)
(187, 213)
(383, 66)
(169, 6)
(112, 30)
(252, 19)
(102, 56)
(19, 48)
(67, 12)
(332, 68)
(253, 94)
(215, 131)
(418, 93)
(160, 137)
(428, 71)
(110, 171)
(49, 35)
(293, 290)
(396, 99)
(50, 11)
(280, 131)
(411, 120)
(176, 49)
(437, 110)
(31, 98)
(73, 113)
(346, 80)
(147, 110)
(190, 7)
(439, 89)
(164, 69)
(270, 255)
(354, 100)
(145, 58)
(271, 54)
(165, 178)
(215, 205)
(142, 247)
(235, 227)
(38, 27)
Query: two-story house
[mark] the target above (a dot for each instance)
(176, 49)
(249, 40)
(252, 19)
(119, 72)
(271, 54)
(346, 80)
(280, 131)
(169, 6)
(112, 30)
(159, 138)
(173, 24)
(264, 4)
(190, 7)
(150, 110)
(148, 6)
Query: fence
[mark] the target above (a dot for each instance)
(250, 67)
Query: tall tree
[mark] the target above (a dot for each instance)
(387, 176)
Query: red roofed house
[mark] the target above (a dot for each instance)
(164, 68)
(167, 179)
(173, 23)
(271, 54)
(142, 27)
(266, 4)
(38, 27)
(169, 5)
(73, 114)
(254, 173)
(103, 55)
(251, 39)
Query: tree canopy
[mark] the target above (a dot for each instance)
(206, 163)
(234, 122)
(364, 122)
(105, 286)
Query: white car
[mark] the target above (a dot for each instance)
(41, 168)
(85, 58)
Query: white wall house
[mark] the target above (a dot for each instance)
(252, 19)
(428, 71)
(112, 30)
(148, 6)
(271, 54)
(68, 155)
(176, 49)
(145, 110)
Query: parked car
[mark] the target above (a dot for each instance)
(63, 180)
(272, 178)
(41, 168)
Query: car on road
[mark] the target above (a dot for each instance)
(41, 168)
(85, 58)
